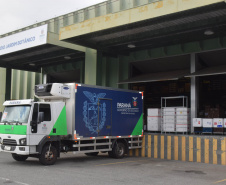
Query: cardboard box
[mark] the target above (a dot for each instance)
(207, 123)
(169, 109)
(183, 127)
(197, 122)
(169, 128)
(183, 117)
(169, 117)
(154, 112)
(171, 121)
(183, 111)
(182, 121)
(153, 124)
(218, 122)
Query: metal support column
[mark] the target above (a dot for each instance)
(44, 77)
(194, 89)
(93, 66)
(90, 66)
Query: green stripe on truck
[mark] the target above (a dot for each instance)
(139, 127)
(60, 127)
(13, 129)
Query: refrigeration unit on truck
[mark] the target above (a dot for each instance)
(72, 118)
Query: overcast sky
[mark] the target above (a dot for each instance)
(16, 14)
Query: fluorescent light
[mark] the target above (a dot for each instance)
(67, 57)
(209, 32)
(131, 46)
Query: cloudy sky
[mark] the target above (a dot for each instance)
(16, 14)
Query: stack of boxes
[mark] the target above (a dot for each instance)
(207, 125)
(218, 126)
(183, 119)
(169, 119)
(154, 120)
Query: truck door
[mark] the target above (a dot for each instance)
(104, 117)
(40, 129)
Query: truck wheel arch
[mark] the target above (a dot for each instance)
(124, 141)
(54, 140)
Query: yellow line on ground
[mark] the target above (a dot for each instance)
(119, 163)
(220, 181)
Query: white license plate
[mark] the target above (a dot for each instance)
(8, 148)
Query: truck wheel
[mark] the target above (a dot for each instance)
(92, 154)
(48, 155)
(118, 150)
(19, 157)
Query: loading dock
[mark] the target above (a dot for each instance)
(158, 46)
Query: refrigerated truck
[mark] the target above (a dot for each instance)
(74, 118)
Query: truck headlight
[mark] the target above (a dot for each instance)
(23, 141)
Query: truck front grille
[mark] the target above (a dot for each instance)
(11, 142)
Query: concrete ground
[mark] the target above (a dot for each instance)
(102, 170)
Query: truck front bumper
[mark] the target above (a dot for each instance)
(21, 150)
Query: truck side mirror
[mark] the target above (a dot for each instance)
(40, 117)
(0, 115)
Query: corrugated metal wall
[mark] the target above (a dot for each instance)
(22, 84)
(110, 6)
(2, 85)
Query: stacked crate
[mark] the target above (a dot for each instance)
(183, 120)
(207, 125)
(218, 126)
(197, 124)
(154, 119)
(169, 119)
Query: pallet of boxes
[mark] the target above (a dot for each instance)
(154, 120)
(176, 120)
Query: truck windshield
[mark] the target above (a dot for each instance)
(16, 114)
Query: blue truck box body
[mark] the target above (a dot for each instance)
(108, 112)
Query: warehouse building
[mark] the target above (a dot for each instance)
(166, 48)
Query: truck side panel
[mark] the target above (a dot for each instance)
(105, 112)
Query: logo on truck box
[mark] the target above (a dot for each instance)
(91, 110)
(134, 101)
(128, 108)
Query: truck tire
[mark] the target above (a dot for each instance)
(19, 157)
(92, 154)
(48, 155)
(118, 150)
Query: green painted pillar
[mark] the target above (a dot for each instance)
(8, 83)
(93, 67)
(2, 90)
